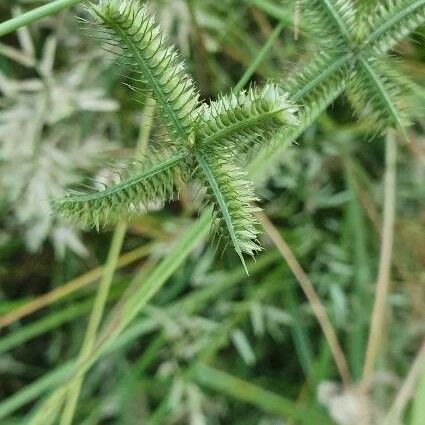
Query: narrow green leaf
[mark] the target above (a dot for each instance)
(35, 15)
(250, 393)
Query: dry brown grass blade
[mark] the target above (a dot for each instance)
(383, 280)
(312, 296)
(70, 287)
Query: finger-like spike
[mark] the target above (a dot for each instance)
(147, 180)
(238, 122)
(145, 50)
(232, 196)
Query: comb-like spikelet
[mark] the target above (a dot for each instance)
(375, 96)
(334, 21)
(232, 195)
(324, 73)
(319, 83)
(144, 49)
(391, 21)
(238, 122)
(150, 180)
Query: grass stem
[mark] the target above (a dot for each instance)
(249, 72)
(383, 280)
(94, 321)
(34, 15)
(70, 287)
(312, 296)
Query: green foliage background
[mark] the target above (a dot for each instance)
(213, 346)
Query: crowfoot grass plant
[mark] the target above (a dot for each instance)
(203, 139)
(211, 143)
(237, 122)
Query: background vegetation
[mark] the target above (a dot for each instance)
(286, 345)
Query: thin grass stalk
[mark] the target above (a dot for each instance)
(312, 296)
(384, 273)
(94, 321)
(273, 10)
(249, 72)
(133, 306)
(35, 15)
(71, 287)
(44, 325)
(190, 304)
